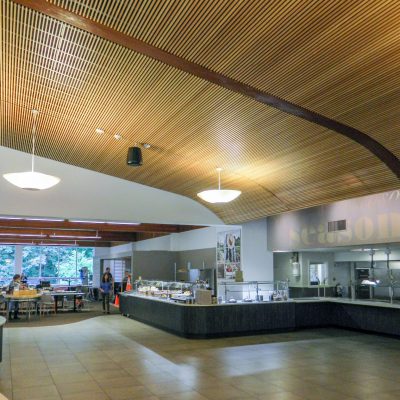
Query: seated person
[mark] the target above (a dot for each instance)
(15, 284)
(24, 279)
(79, 303)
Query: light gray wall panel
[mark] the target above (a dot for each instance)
(370, 219)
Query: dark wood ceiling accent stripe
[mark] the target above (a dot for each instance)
(60, 235)
(107, 33)
(31, 232)
(93, 227)
(47, 242)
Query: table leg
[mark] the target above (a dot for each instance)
(74, 302)
(55, 304)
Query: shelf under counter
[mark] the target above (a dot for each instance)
(218, 320)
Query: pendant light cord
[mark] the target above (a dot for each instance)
(35, 114)
(219, 178)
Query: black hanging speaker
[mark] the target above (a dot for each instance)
(134, 158)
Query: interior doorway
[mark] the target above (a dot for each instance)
(117, 266)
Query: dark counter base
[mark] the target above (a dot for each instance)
(250, 319)
(206, 321)
(350, 316)
(209, 335)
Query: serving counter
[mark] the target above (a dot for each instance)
(218, 320)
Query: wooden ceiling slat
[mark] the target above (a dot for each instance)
(337, 58)
(214, 77)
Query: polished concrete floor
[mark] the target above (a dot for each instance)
(112, 357)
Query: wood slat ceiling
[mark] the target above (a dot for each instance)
(337, 58)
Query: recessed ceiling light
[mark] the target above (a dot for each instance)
(365, 249)
(117, 136)
(31, 218)
(99, 131)
(58, 244)
(45, 219)
(19, 243)
(87, 221)
(75, 237)
(23, 234)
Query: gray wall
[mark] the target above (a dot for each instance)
(154, 265)
(161, 264)
(370, 219)
(198, 258)
(283, 269)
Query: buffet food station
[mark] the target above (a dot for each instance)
(184, 308)
(249, 308)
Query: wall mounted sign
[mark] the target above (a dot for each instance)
(369, 219)
(228, 254)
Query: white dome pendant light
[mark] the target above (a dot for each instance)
(32, 180)
(219, 195)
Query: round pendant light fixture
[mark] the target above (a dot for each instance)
(219, 195)
(32, 180)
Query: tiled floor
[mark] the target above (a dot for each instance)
(112, 357)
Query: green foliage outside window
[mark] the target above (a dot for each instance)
(7, 256)
(46, 261)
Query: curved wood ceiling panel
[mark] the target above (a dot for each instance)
(337, 58)
(80, 82)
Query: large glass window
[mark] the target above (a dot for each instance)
(7, 257)
(67, 262)
(49, 261)
(56, 264)
(31, 261)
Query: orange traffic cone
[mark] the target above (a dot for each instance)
(116, 301)
(128, 284)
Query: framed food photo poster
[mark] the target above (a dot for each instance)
(229, 255)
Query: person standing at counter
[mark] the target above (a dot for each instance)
(108, 271)
(106, 290)
(126, 282)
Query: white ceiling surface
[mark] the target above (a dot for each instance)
(91, 195)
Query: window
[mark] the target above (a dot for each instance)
(49, 261)
(31, 261)
(117, 268)
(318, 274)
(84, 259)
(67, 262)
(56, 264)
(7, 257)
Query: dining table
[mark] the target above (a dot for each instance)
(29, 299)
(62, 294)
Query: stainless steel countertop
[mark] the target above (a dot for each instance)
(369, 303)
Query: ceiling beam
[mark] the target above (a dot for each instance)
(68, 234)
(87, 226)
(35, 242)
(107, 33)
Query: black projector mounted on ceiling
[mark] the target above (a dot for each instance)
(134, 158)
